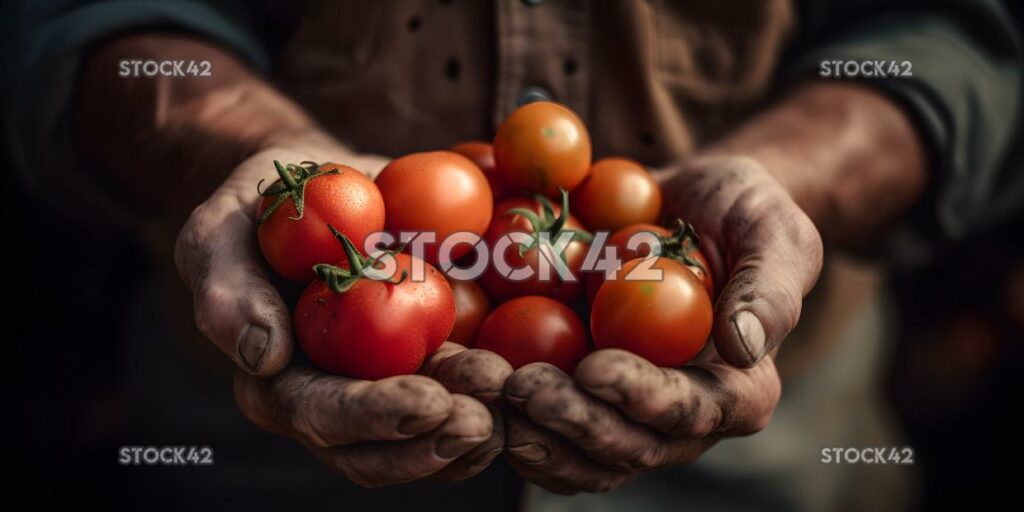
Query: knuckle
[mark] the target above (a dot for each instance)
(470, 418)
(528, 379)
(692, 427)
(608, 366)
(413, 395)
(212, 303)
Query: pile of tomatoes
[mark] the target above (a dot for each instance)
(584, 265)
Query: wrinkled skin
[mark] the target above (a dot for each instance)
(383, 432)
(619, 415)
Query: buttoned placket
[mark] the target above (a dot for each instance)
(543, 54)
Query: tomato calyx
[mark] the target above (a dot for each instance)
(292, 185)
(681, 244)
(549, 223)
(341, 279)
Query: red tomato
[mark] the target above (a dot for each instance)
(617, 192)
(681, 245)
(482, 154)
(667, 321)
(440, 191)
(471, 308)
(535, 329)
(293, 241)
(541, 147)
(374, 329)
(501, 289)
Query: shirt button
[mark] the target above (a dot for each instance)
(532, 94)
(533, 2)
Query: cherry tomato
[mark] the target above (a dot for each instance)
(294, 240)
(500, 288)
(535, 329)
(617, 192)
(666, 321)
(371, 329)
(482, 154)
(541, 147)
(439, 191)
(682, 245)
(471, 308)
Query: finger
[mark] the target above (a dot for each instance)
(235, 305)
(545, 459)
(481, 456)
(375, 464)
(693, 402)
(551, 399)
(327, 410)
(478, 373)
(773, 254)
(776, 261)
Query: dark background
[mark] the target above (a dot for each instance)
(956, 382)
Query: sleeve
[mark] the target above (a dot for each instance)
(964, 95)
(44, 42)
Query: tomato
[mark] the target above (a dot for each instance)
(541, 147)
(439, 191)
(482, 154)
(500, 288)
(681, 245)
(617, 192)
(371, 329)
(666, 321)
(535, 329)
(471, 308)
(293, 240)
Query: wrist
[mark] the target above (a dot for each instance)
(846, 154)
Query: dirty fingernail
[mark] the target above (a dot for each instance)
(419, 424)
(608, 394)
(449, 447)
(751, 334)
(252, 344)
(531, 453)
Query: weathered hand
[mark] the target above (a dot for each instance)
(375, 433)
(391, 430)
(620, 414)
(235, 304)
(765, 248)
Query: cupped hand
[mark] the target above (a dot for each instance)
(375, 433)
(620, 415)
(767, 250)
(391, 430)
(234, 303)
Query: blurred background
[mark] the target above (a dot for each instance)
(70, 299)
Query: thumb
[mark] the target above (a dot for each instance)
(774, 254)
(235, 306)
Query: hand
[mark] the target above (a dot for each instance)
(375, 433)
(235, 304)
(622, 414)
(765, 252)
(391, 430)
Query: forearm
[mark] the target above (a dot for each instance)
(167, 142)
(848, 156)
